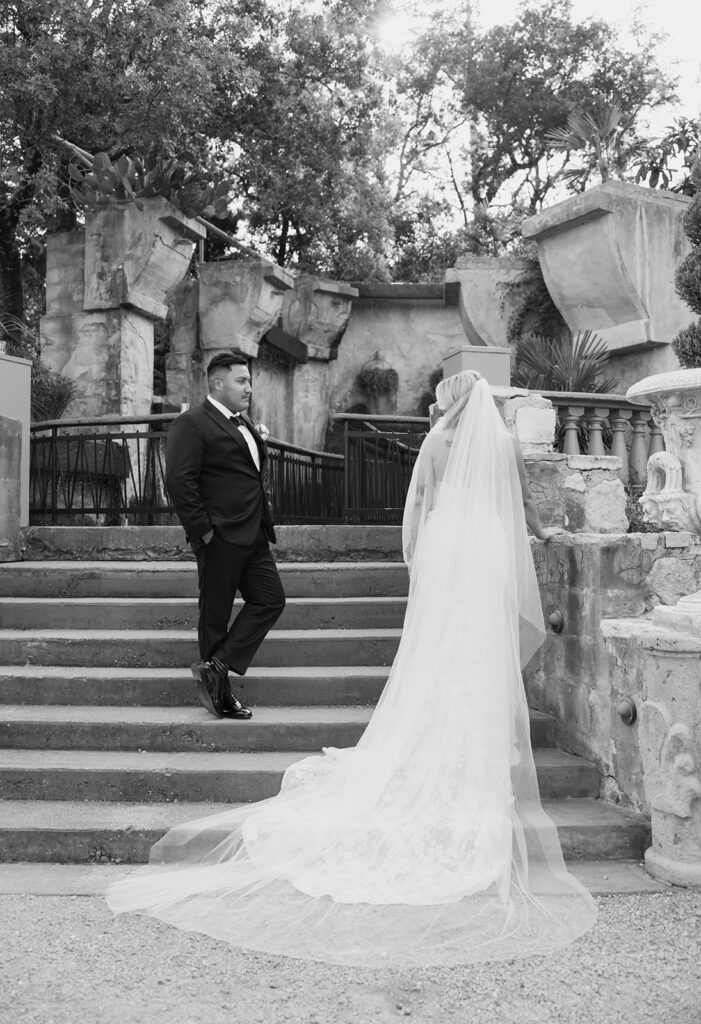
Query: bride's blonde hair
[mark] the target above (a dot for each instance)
(452, 389)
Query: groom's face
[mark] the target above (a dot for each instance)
(233, 388)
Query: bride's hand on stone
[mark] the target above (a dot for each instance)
(553, 531)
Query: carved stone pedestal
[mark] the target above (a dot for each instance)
(670, 745)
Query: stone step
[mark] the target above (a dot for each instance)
(163, 687)
(68, 832)
(91, 877)
(191, 728)
(179, 579)
(181, 613)
(229, 777)
(144, 648)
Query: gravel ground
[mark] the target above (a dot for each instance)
(66, 959)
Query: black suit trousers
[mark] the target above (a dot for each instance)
(224, 568)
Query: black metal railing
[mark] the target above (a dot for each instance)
(110, 471)
(379, 456)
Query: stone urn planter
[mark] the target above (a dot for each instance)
(670, 715)
(673, 495)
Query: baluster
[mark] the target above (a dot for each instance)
(618, 419)
(571, 416)
(656, 438)
(595, 420)
(638, 447)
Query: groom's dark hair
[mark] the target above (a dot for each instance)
(225, 360)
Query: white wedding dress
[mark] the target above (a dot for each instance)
(426, 843)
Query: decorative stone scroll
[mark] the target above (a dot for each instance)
(239, 300)
(673, 495)
(317, 313)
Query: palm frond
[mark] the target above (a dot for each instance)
(573, 364)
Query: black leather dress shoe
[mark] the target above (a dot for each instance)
(211, 687)
(233, 708)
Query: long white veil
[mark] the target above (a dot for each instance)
(426, 843)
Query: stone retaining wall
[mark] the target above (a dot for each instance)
(605, 589)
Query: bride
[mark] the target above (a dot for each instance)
(426, 843)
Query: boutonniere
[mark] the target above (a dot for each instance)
(263, 431)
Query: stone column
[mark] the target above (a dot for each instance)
(317, 314)
(105, 288)
(15, 405)
(10, 474)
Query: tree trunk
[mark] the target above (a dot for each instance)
(11, 292)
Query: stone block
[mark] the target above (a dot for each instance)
(65, 272)
(10, 473)
(581, 493)
(484, 317)
(185, 375)
(596, 250)
(493, 363)
(671, 578)
(133, 257)
(317, 314)
(109, 356)
(239, 300)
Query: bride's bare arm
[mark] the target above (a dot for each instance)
(529, 506)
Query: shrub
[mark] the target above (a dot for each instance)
(692, 220)
(51, 392)
(566, 363)
(687, 279)
(687, 346)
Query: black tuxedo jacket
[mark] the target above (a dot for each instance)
(212, 479)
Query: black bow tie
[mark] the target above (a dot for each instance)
(236, 418)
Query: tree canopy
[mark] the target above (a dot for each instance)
(344, 158)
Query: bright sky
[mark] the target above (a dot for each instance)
(677, 18)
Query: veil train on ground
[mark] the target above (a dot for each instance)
(425, 844)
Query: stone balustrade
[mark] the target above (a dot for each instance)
(598, 424)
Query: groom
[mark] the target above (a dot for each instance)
(214, 463)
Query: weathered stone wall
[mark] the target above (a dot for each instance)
(273, 402)
(579, 493)
(413, 335)
(583, 672)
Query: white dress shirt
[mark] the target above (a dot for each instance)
(245, 432)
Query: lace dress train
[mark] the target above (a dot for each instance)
(426, 843)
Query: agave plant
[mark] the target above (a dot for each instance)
(574, 363)
(132, 179)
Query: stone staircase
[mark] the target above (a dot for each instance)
(103, 745)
